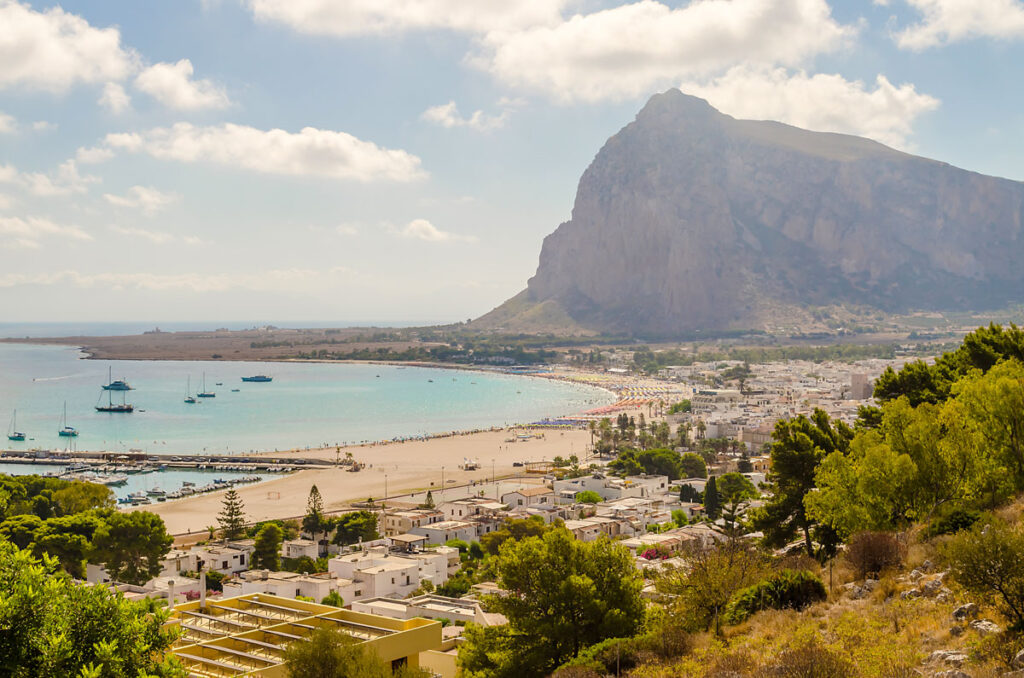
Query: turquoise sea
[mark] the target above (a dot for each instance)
(306, 405)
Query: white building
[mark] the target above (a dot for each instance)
(529, 496)
(297, 548)
(446, 530)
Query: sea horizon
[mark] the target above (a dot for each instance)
(88, 328)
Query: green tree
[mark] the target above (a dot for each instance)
(314, 522)
(735, 487)
(563, 595)
(267, 548)
(693, 466)
(689, 494)
(69, 540)
(131, 546)
(800, 445)
(80, 497)
(995, 402)
(588, 497)
(53, 627)
(232, 516)
(701, 591)
(21, 529)
(712, 502)
(355, 527)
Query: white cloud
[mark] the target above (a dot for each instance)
(26, 233)
(421, 229)
(173, 86)
(54, 50)
(93, 155)
(827, 103)
(633, 49)
(145, 198)
(360, 17)
(114, 98)
(310, 152)
(7, 123)
(447, 115)
(65, 180)
(276, 280)
(946, 21)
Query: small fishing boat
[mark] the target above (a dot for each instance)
(12, 432)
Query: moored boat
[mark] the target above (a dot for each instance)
(12, 432)
(66, 431)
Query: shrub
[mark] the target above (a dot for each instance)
(809, 659)
(952, 522)
(618, 655)
(987, 562)
(871, 552)
(786, 589)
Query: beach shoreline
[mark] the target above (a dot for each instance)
(414, 465)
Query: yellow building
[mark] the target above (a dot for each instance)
(247, 635)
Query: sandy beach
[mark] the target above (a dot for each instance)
(412, 465)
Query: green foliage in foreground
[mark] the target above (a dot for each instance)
(785, 589)
(563, 596)
(51, 627)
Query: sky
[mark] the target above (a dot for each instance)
(402, 160)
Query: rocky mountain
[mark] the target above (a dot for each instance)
(689, 219)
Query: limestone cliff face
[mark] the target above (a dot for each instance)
(689, 219)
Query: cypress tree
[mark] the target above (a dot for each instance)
(712, 504)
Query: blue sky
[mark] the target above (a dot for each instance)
(402, 160)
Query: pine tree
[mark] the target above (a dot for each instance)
(232, 516)
(267, 548)
(711, 502)
(314, 522)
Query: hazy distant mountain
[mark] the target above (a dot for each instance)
(690, 219)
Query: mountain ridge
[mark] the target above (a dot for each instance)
(688, 219)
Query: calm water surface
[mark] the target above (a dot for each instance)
(307, 404)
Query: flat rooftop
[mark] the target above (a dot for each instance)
(247, 635)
